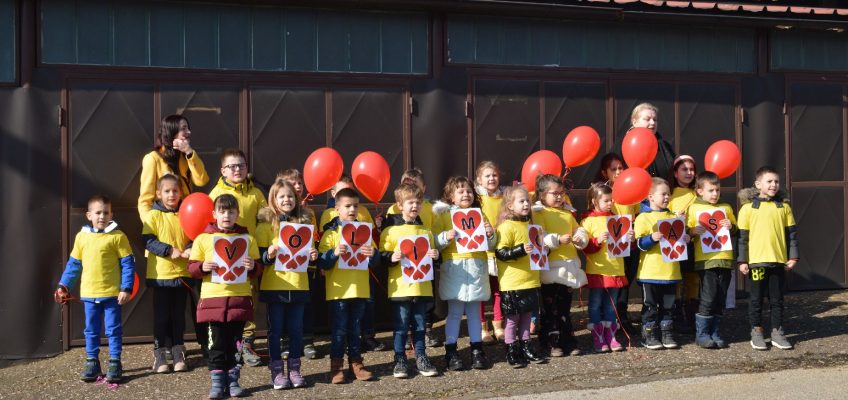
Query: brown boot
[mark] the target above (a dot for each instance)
(337, 371)
(358, 369)
(486, 334)
(499, 330)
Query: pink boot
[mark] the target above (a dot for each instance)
(609, 336)
(598, 341)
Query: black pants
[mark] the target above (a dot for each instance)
(766, 281)
(658, 302)
(169, 305)
(631, 266)
(556, 312)
(713, 290)
(222, 344)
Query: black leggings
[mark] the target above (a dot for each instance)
(169, 305)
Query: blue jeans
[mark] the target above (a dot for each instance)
(405, 312)
(346, 316)
(96, 312)
(601, 304)
(288, 316)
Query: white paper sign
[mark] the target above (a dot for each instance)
(672, 245)
(229, 253)
(539, 255)
(618, 227)
(416, 265)
(471, 231)
(354, 236)
(716, 238)
(295, 241)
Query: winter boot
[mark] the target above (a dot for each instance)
(115, 371)
(219, 381)
(179, 352)
(248, 354)
(598, 340)
(778, 340)
(499, 330)
(478, 357)
(279, 379)
(425, 367)
(486, 334)
(452, 360)
(649, 336)
(667, 328)
(358, 369)
(702, 331)
(514, 355)
(610, 327)
(714, 332)
(160, 365)
(91, 370)
(757, 340)
(530, 353)
(233, 376)
(297, 380)
(337, 371)
(401, 369)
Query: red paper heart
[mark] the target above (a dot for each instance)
(301, 259)
(672, 232)
(544, 261)
(472, 245)
(463, 241)
(611, 246)
(666, 250)
(710, 222)
(229, 276)
(479, 239)
(623, 246)
(418, 275)
(467, 221)
(708, 240)
(535, 257)
(221, 271)
(618, 227)
(238, 271)
(722, 239)
(408, 271)
(360, 258)
(425, 269)
(295, 240)
(414, 251)
(535, 238)
(716, 245)
(347, 256)
(356, 237)
(673, 255)
(680, 248)
(230, 252)
(283, 258)
(292, 264)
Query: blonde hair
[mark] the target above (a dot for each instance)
(508, 198)
(408, 190)
(483, 165)
(297, 214)
(641, 107)
(657, 182)
(291, 174)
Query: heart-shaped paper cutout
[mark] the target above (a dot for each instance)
(618, 227)
(467, 222)
(230, 252)
(295, 240)
(672, 232)
(722, 239)
(462, 241)
(535, 237)
(425, 268)
(283, 258)
(708, 240)
(710, 221)
(716, 245)
(356, 237)
(408, 271)
(479, 239)
(414, 251)
(418, 275)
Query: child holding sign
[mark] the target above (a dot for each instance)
(661, 241)
(223, 256)
(285, 242)
(464, 276)
(519, 283)
(491, 196)
(712, 223)
(610, 236)
(682, 179)
(405, 246)
(345, 242)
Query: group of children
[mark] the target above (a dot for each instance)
(247, 228)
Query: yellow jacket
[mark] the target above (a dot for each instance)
(515, 274)
(250, 200)
(153, 166)
(163, 226)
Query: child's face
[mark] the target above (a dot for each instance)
(463, 196)
(234, 168)
(339, 186)
(553, 195)
(520, 204)
(298, 185)
(709, 192)
(489, 179)
(685, 173)
(410, 208)
(225, 218)
(646, 118)
(169, 193)
(768, 184)
(603, 203)
(418, 181)
(346, 207)
(613, 171)
(659, 197)
(286, 200)
(99, 214)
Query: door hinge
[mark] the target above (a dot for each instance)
(61, 116)
(468, 109)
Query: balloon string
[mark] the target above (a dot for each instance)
(309, 197)
(618, 318)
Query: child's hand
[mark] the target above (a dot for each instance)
(528, 248)
(790, 264)
(656, 236)
(489, 230)
(681, 214)
(725, 223)
(313, 254)
(698, 230)
(123, 298)
(182, 145)
(366, 250)
(686, 238)
(340, 249)
(248, 263)
(208, 266)
(433, 253)
(743, 268)
(450, 235)
(396, 256)
(564, 239)
(603, 237)
(61, 295)
(176, 253)
(630, 236)
(186, 254)
(272, 251)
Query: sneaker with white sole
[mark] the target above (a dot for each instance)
(757, 340)
(425, 367)
(779, 340)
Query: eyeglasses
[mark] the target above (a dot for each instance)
(233, 167)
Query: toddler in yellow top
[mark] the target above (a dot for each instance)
(518, 283)
(658, 278)
(490, 193)
(768, 247)
(103, 262)
(168, 252)
(714, 269)
(410, 301)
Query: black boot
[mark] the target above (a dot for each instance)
(514, 355)
(667, 328)
(530, 353)
(452, 360)
(478, 357)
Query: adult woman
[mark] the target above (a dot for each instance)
(644, 115)
(172, 153)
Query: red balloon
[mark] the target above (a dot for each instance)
(580, 146)
(195, 214)
(322, 170)
(722, 158)
(371, 175)
(631, 186)
(135, 285)
(639, 147)
(540, 162)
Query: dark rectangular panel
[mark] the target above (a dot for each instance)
(58, 32)
(286, 126)
(396, 44)
(808, 50)
(201, 37)
(365, 45)
(167, 35)
(94, 33)
(419, 38)
(9, 41)
(707, 114)
(333, 42)
(301, 40)
(815, 121)
(506, 124)
(235, 45)
(567, 106)
(268, 39)
(132, 30)
(820, 216)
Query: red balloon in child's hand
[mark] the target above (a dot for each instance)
(195, 214)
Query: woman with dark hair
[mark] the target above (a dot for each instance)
(172, 153)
